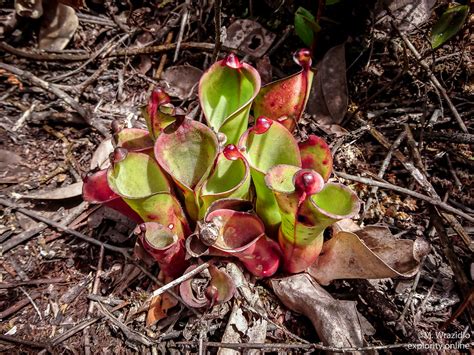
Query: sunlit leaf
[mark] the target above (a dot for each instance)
(226, 92)
(306, 26)
(450, 22)
(263, 151)
(284, 100)
(164, 246)
(305, 213)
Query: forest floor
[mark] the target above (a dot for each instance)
(396, 111)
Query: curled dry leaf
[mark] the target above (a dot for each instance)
(328, 97)
(100, 158)
(210, 287)
(58, 25)
(249, 37)
(337, 322)
(368, 253)
(60, 193)
(181, 81)
(160, 305)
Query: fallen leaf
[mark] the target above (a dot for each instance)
(58, 25)
(328, 98)
(181, 81)
(249, 37)
(337, 322)
(9, 158)
(145, 63)
(265, 69)
(160, 305)
(100, 158)
(25, 222)
(241, 327)
(368, 253)
(11, 168)
(60, 193)
(408, 15)
(236, 326)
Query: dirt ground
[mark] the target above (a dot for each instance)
(61, 294)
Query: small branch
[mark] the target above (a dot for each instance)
(159, 283)
(15, 340)
(421, 179)
(5, 285)
(19, 305)
(386, 185)
(65, 229)
(382, 170)
(217, 29)
(26, 235)
(95, 289)
(32, 302)
(52, 88)
(433, 78)
(130, 334)
(451, 137)
(179, 280)
(129, 52)
(453, 260)
(184, 21)
(282, 346)
(80, 326)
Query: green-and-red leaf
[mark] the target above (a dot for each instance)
(164, 246)
(285, 100)
(265, 145)
(187, 153)
(306, 212)
(226, 92)
(316, 155)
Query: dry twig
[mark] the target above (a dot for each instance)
(433, 78)
(179, 280)
(65, 229)
(386, 185)
(281, 346)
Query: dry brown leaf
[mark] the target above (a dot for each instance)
(408, 15)
(265, 69)
(160, 305)
(11, 169)
(337, 322)
(242, 327)
(181, 81)
(58, 25)
(145, 63)
(60, 193)
(249, 37)
(368, 253)
(328, 98)
(100, 158)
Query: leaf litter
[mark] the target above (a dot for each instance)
(333, 88)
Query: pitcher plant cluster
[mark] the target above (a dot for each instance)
(238, 186)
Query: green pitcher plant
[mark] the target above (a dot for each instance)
(234, 186)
